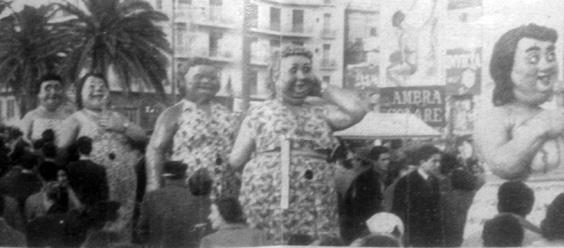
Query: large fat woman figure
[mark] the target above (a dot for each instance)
(518, 139)
(289, 127)
(111, 133)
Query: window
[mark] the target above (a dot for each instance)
(180, 29)
(216, 10)
(374, 32)
(188, 2)
(216, 2)
(275, 19)
(11, 109)
(252, 15)
(253, 82)
(326, 51)
(214, 43)
(327, 21)
(298, 21)
(326, 79)
(298, 42)
(159, 4)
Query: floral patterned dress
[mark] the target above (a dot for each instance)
(312, 199)
(112, 150)
(203, 140)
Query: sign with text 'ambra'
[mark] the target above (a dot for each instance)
(427, 102)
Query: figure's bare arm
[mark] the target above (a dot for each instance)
(350, 111)
(160, 142)
(243, 147)
(25, 125)
(508, 157)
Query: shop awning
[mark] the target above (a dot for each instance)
(388, 126)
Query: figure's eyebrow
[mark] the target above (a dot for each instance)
(551, 48)
(533, 49)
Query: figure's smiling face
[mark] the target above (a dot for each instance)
(535, 71)
(296, 80)
(94, 93)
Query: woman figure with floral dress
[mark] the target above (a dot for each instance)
(305, 129)
(111, 133)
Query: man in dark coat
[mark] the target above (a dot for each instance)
(176, 215)
(364, 197)
(417, 200)
(88, 179)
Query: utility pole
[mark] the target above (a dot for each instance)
(245, 59)
(173, 46)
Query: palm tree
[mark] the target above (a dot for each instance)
(122, 35)
(30, 46)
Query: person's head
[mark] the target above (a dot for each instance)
(92, 92)
(50, 92)
(462, 180)
(515, 197)
(84, 145)
(552, 227)
(57, 194)
(291, 75)
(49, 150)
(48, 135)
(226, 210)
(200, 184)
(199, 79)
(19, 150)
(28, 160)
(382, 156)
(62, 176)
(428, 158)
(504, 230)
(386, 223)
(48, 172)
(174, 170)
(449, 162)
(524, 66)
(376, 240)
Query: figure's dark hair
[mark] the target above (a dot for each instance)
(552, 227)
(45, 78)
(81, 83)
(504, 230)
(84, 145)
(423, 153)
(503, 56)
(230, 210)
(515, 197)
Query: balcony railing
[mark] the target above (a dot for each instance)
(328, 64)
(291, 31)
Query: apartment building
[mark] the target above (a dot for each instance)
(214, 29)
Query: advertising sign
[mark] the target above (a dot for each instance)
(427, 102)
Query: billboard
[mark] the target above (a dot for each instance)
(427, 102)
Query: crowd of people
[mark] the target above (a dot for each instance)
(89, 177)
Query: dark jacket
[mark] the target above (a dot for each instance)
(89, 181)
(417, 202)
(20, 185)
(173, 217)
(362, 200)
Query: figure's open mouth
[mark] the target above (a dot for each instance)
(545, 80)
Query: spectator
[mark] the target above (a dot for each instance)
(11, 213)
(232, 231)
(553, 224)
(9, 237)
(364, 197)
(516, 198)
(416, 200)
(21, 181)
(455, 205)
(88, 179)
(175, 215)
(504, 230)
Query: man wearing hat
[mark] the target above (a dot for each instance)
(364, 197)
(175, 215)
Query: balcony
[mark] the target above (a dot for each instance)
(327, 33)
(214, 19)
(259, 58)
(219, 56)
(287, 31)
(328, 64)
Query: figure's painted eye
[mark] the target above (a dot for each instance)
(550, 56)
(306, 69)
(534, 59)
